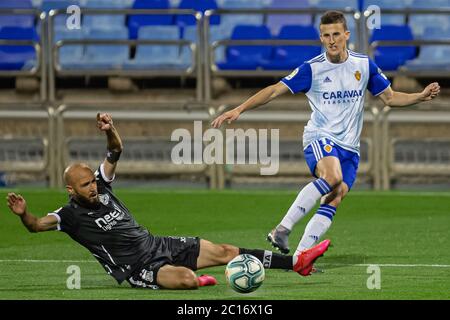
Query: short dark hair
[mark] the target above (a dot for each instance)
(332, 17)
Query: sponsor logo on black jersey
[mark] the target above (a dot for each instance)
(108, 221)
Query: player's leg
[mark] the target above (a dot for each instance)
(317, 152)
(173, 277)
(220, 254)
(319, 224)
(322, 220)
(212, 254)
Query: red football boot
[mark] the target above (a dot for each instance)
(306, 258)
(206, 280)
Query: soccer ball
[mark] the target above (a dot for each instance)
(245, 273)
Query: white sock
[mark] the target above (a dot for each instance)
(304, 202)
(316, 227)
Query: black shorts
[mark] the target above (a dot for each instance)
(176, 251)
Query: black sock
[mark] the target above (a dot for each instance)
(269, 259)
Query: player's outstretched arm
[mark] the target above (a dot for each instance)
(399, 99)
(18, 206)
(115, 146)
(262, 97)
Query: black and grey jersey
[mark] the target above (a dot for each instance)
(108, 231)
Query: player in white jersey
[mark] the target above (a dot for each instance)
(334, 83)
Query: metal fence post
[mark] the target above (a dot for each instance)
(386, 154)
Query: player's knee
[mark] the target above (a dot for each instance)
(188, 280)
(334, 179)
(336, 201)
(230, 252)
(225, 253)
(335, 197)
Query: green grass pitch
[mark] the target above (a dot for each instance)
(405, 234)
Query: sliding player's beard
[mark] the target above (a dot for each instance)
(90, 203)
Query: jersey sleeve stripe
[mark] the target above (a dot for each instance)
(58, 226)
(102, 172)
(287, 86)
(383, 90)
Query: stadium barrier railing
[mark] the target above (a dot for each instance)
(32, 150)
(132, 113)
(370, 157)
(38, 70)
(404, 71)
(211, 69)
(194, 70)
(390, 167)
(369, 48)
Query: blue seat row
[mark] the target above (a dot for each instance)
(270, 57)
(21, 57)
(360, 4)
(224, 27)
(117, 56)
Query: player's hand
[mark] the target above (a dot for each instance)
(16, 204)
(430, 92)
(228, 116)
(104, 121)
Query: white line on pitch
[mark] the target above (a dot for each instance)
(387, 265)
(49, 261)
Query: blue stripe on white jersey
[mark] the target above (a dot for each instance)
(336, 94)
(319, 58)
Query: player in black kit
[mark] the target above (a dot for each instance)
(95, 218)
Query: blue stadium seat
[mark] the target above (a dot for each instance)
(390, 19)
(16, 4)
(334, 4)
(230, 21)
(217, 33)
(437, 32)
(136, 21)
(246, 3)
(393, 19)
(390, 58)
(69, 54)
(107, 56)
(22, 21)
(174, 3)
(190, 34)
(432, 57)
(419, 22)
(247, 57)
(290, 57)
(201, 6)
(435, 4)
(36, 3)
(17, 57)
(108, 4)
(48, 5)
(101, 56)
(157, 56)
(388, 4)
(104, 21)
(276, 21)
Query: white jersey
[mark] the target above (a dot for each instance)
(336, 93)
